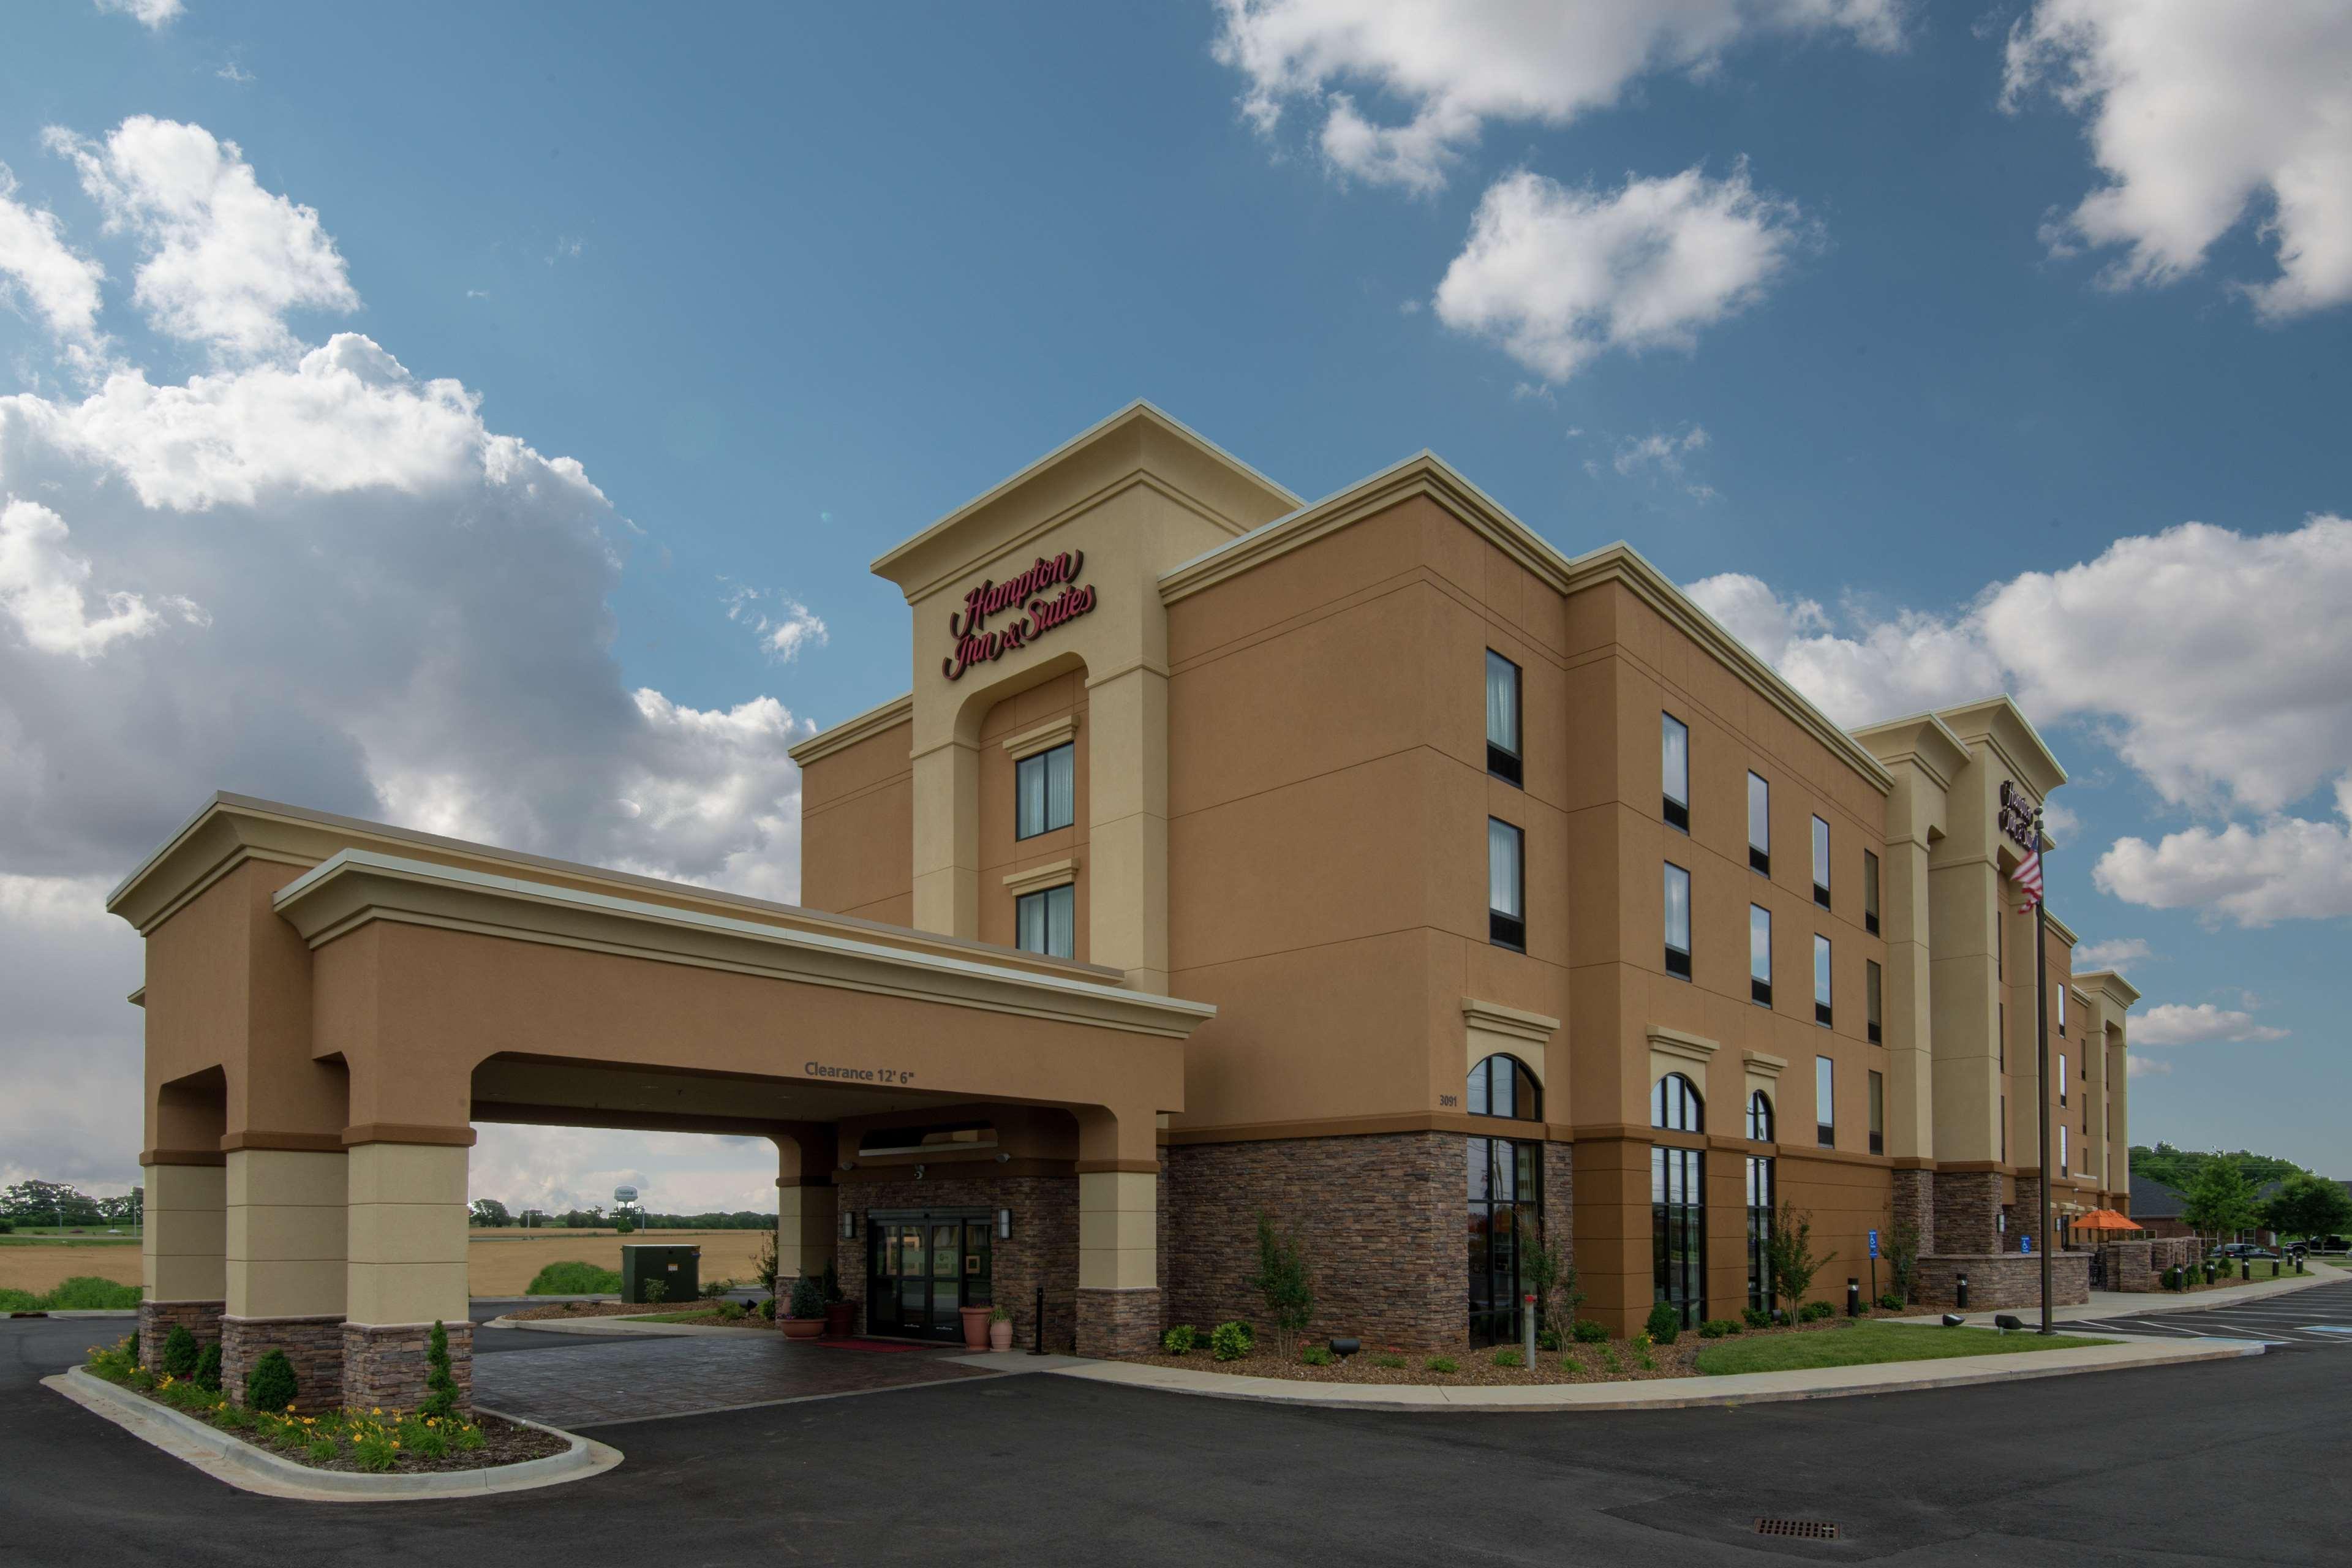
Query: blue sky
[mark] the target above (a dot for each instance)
(1910, 337)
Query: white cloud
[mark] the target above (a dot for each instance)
(42, 588)
(558, 1168)
(2176, 1024)
(2203, 116)
(1661, 456)
(783, 629)
(2061, 822)
(2283, 868)
(232, 71)
(2137, 1065)
(2119, 953)
(1452, 69)
(39, 268)
(151, 13)
(226, 260)
(1555, 276)
(2212, 660)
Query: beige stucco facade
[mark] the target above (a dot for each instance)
(1283, 969)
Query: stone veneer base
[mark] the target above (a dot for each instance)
(2003, 1280)
(157, 1319)
(384, 1365)
(1118, 1322)
(315, 1346)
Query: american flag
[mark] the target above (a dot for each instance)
(2028, 877)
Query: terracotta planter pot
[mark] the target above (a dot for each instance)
(975, 1327)
(802, 1328)
(1000, 1335)
(841, 1319)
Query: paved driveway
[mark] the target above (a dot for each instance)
(590, 1382)
(2321, 1316)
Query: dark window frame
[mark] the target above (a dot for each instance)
(1042, 899)
(1681, 969)
(1046, 811)
(1874, 986)
(1760, 856)
(1825, 1103)
(1509, 765)
(1822, 887)
(1676, 811)
(1824, 973)
(1870, 892)
(1525, 1093)
(1759, 989)
(1877, 1111)
(1503, 929)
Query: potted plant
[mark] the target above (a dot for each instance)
(1000, 1328)
(840, 1312)
(807, 1320)
(975, 1327)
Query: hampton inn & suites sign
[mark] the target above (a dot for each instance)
(1033, 613)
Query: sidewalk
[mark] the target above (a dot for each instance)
(1671, 1394)
(2145, 1303)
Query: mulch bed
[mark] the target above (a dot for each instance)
(504, 1442)
(584, 1310)
(1477, 1368)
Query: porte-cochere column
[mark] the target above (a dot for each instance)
(407, 1268)
(1120, 1307)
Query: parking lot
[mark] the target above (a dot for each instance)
(2320, 1317)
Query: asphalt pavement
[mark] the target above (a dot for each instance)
(2241, 1462)
(2321, 1316)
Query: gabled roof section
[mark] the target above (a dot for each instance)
(1920, 739)
(1424, 474)
(1219, 486)
(1999, 721)
(2152, 1199)
(2107, 982)
(899, 710)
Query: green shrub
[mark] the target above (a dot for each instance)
(1282, 1278)
(712, 1290)
(574, 1279)
(1715, 1328)
(1318, 1355)
(653, 1292)
(1393, 1362)
(1231, 1341)
(1441, 1363)
(1548, 1339)
(1890, 1302)
(1756, 1318)
(208, 1367)
(1180, 1340)
(808, 1298)
(1588, 1332)
(1665, 1321)
(374, 1451)
(768, 1308)
(233, 1419)
(86, 1293)
(271, 1384)
(117, 1364)
(1814, 1311)
(1506, 1356)
(181, 1352)
(440, 1400)
(14, 1301)
(321, 1450)
(1609, 1359)
(1000, 1314)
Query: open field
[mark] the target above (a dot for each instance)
(498, 1264)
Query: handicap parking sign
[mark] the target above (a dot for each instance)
(1873, 1244)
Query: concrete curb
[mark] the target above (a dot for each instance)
(228, 1458)
(620, 1328)
(1669, 1394)
(2148, 1304)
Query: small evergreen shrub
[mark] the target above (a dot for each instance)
(1588, 1332)
(1890, 1302)
(1664, 1322)
(180, 1353)
(440, 1401)
(1441, 1363)
(208, 1366)
(808, 1298)
(1548, 1339)
(574, 1278)
(768, 1308)
(1231, 1341)
(1715, 1328)
(1180, 1340)
(1318, 1355)
(1814, 1311)
(653, 1292)
(1755, 1317)
(271, 1384)
(1506, 1356)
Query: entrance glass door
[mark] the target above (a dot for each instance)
(921, 1270)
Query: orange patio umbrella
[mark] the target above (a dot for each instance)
(2102, 1219)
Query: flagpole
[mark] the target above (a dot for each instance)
(2041, 1071)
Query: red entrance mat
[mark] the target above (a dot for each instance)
(884, 1345)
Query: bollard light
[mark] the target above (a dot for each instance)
(1953, 1319)
(1346, 1347)
(1960, 1294)
(1853, 1296)
(2007, 1323)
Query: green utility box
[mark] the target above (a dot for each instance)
(679, 1268)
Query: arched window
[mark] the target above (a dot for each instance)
(1502, 1085)
(1759, 1117)
(1675, 1105)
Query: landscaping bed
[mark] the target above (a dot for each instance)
(730, 1316)
(1831, 1342)
(358, 1442)
(578, 1310)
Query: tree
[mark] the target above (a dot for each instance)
(2307, 1205)
(440, 1380)
(1553, 1279)
(1790, 1255)
(490, 1212)
(48, 1202)
(2220, 1201)
(1903, 1257)
(1283, 1280)
(2181, 1168)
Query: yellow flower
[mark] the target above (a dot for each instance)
(289, 1408)
(376, 1410)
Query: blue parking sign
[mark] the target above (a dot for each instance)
(1873, 1244)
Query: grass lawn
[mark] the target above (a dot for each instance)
(1863, 1343)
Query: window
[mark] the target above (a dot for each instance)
(1675, 1105)
(1759, 1117)
(1825, 1104)
(1870, 892)
(1503, 718)
(1999, 942)
(1761, 1184)
(1047, 922)
(1760, 824)
(2004, 1129)
(1878, 1113)
(1507, 866)
(1820, 863)
(1822, 980)
(2062, 1015)
(1674, 769)
(1678, 921)
(1760, 954)
(2062, 1148)
(2062, 1078)
(1506, 1212)
(1502, 1085)
(2001, 1036)
(1045, 791)
(1869, 986)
